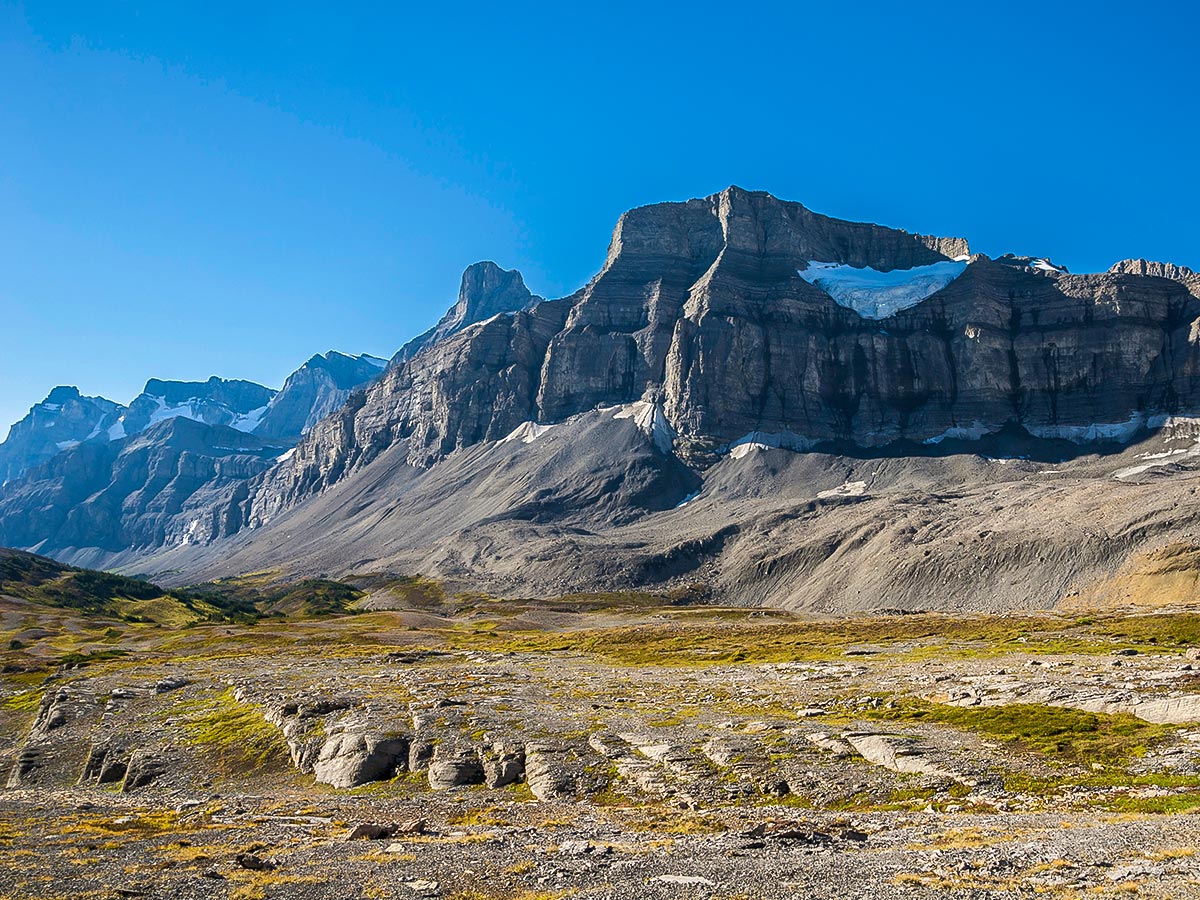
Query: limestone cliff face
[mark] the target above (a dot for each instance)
(1155, 269)
(700, 309)
(486, 290)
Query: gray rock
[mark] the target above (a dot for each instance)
(144, 767)
(453, 767)
(349, 759)
(503, 764)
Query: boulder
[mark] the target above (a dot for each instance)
(352, 758)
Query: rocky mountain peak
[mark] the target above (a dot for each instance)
(62, 394)
(1149, 267)
(65, 418)
(486, 290)
(314, 391)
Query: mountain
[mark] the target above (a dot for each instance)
(776, 405)
(140, 492)
(89, 473)
(316, 389)
(486, 291)
(65, 418)
(238, 404)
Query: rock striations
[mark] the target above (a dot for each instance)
(716, 328)
(701, 310)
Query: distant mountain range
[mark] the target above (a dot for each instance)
(67, 418)
(769, 403)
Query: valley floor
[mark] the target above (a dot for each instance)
(607, 748)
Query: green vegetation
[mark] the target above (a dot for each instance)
(237, 732)
(255, 596)
(1063, 735)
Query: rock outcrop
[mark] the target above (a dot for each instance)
(1153, 269)
(312, 392)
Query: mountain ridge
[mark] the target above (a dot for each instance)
(567, 444)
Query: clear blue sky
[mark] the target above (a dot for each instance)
(190, 189)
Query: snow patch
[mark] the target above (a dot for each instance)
(66, 445)
(1044, 265)
(527, 433)
(688, 499)
(1096, 432)
(876, 295)
(762, 440)
(973, 432)
(651, 421)
(116, 431)
(250, 420)
(284, 457)
(849, 489)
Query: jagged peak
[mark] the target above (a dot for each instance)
(1152, 268)
(62, 394)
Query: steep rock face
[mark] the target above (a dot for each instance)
(142, 492)
(1155, 269)
(313, 391)
(486, 290)
(65, 418)
(701, 310)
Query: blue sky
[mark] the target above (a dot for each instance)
(190, 189)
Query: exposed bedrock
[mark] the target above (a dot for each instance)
(700, 309)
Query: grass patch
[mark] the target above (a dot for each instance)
(237, 732)
(1065, 735)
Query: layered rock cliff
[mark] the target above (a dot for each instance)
(702, 309)
(622, 436)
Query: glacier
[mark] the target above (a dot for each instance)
(876, 295)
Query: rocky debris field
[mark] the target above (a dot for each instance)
(607, 749)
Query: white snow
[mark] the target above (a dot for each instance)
(1044, 265)
(116, 430)
(527, 433)
(1120, 432)
(972, 432)
(50, 407)
(762, 440)
(374, 360)
(849, 489)
(651, 421)
(876, 295)
(250, 420)
(283, 457)
(66, 445)
(164, 412)
(688, 499)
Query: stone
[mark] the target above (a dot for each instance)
(144, 767)
(254, 862)
(424, 886)
(352, 758)
(503, 764)
(370, 831)
(453, 767)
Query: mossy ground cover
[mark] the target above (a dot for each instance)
(1061, 735)
(705, 641)
(240, 739)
